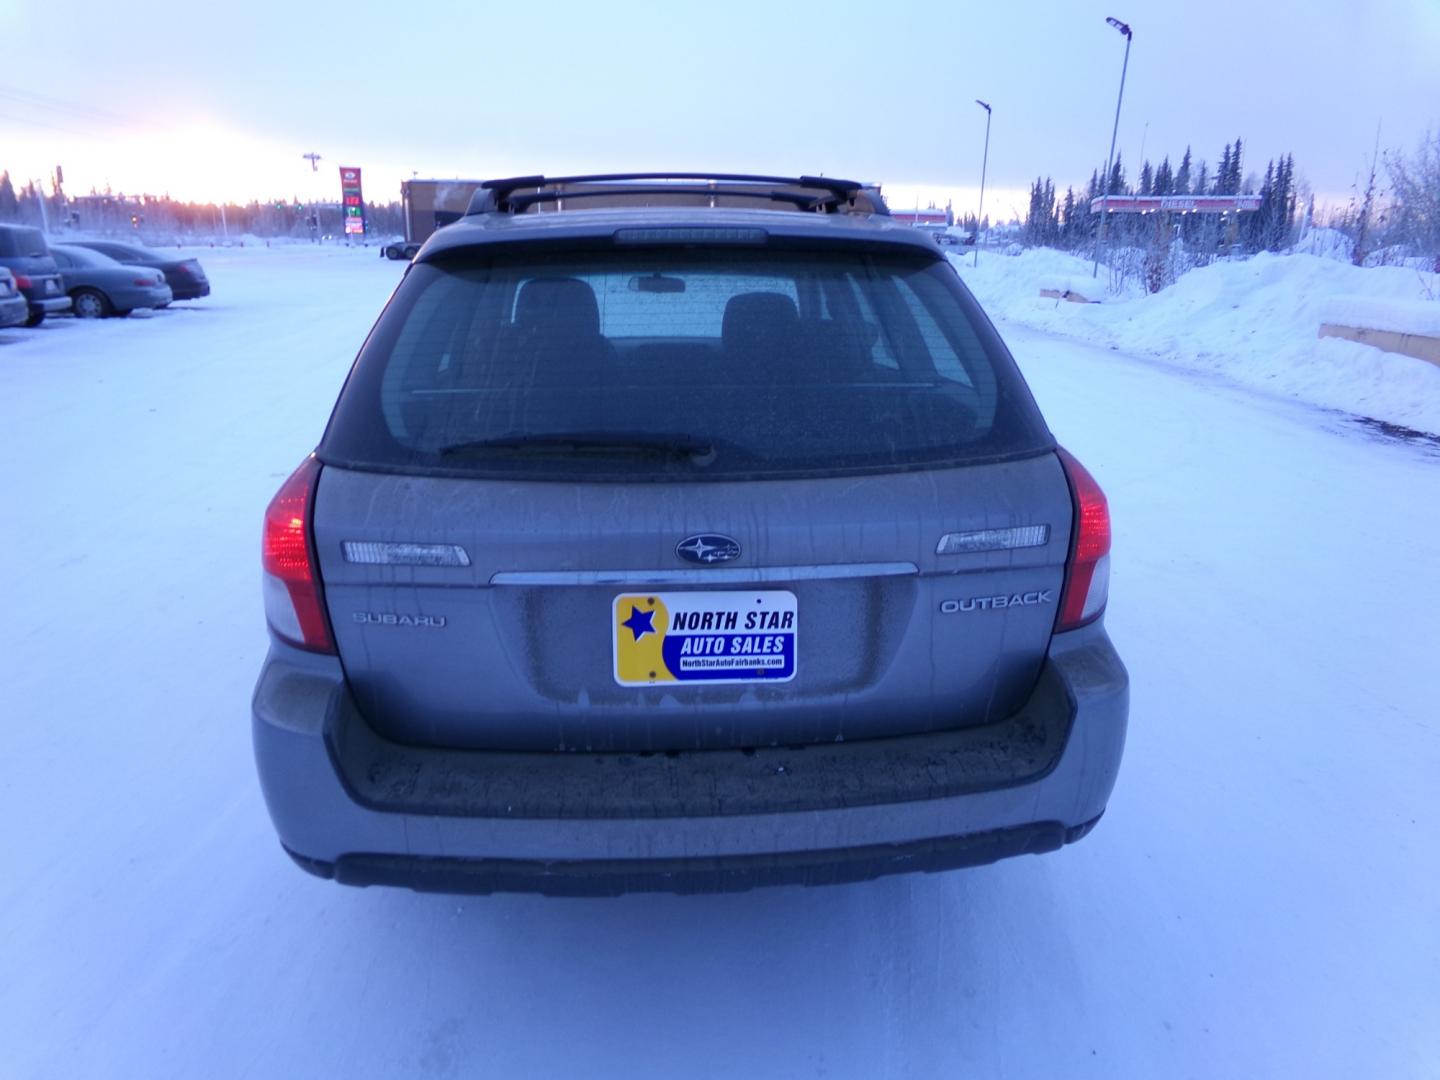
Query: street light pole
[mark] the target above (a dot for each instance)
(984, 163)
(314, 160)
(1124, 28)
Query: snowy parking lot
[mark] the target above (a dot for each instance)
(1260, 901)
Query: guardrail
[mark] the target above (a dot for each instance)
(1409, 328)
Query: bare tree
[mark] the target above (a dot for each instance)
(1367, 209)
(1415, 194)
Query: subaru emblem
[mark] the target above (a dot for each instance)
(707, 548)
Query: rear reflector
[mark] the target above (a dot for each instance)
(294, 604)
(1087, 573)
(1024, 536)
(380, 554)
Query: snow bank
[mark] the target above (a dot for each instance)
(1066, 285)
(1419, 317)
(1327, 243)
(1253, 321)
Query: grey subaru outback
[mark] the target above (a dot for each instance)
(683, 532)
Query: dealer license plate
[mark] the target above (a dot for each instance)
(704, 637)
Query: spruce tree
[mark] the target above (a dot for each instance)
(1147, 179)
(1259, 226)
(1117, 178)
(1284, 200)
(1033, 226)
(1067, 212)
(1222, 174)
(1164, 179)
(1292, 196)
(1182, 177)
(9, 205)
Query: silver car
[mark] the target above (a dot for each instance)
(100, 286)
(700, 535)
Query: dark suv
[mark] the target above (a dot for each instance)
(23, 251)
(536, 601)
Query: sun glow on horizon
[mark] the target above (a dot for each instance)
(196, 160)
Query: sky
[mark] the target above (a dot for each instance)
(221, 101)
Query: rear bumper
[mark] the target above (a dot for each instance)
(50, 305)
(189, 290)
(351, 805)
(140, 296)
(724, 873)
(14, 310)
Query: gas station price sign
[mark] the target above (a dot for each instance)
(352, 200)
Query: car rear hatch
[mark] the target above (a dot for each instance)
(656, 500)
(28, 257)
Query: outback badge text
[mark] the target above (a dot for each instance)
(987, 603)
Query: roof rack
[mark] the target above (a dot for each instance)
(818, 194)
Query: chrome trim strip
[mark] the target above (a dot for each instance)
(716, 576)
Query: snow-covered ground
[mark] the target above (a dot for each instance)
(1254, 322)
(1260, 901)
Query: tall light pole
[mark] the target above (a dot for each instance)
(984, 163)
(1124, 28)
(314, 160)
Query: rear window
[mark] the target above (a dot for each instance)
(122, 251)
(78, 256)
(680, 363)
(19, 243)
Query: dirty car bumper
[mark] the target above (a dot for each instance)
(352, 805)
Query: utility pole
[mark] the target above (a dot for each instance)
(1124, 28)
(984, 163)
(314, 160)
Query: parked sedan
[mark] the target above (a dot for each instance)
(14, 308)
(100, 286)
(185, 277)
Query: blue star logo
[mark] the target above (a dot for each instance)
(640, 622)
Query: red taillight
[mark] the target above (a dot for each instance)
(294, 604)
(22, 281)
(1087, 574)
(144, 281)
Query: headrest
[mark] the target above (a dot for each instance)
(564, 305)
(758, 318)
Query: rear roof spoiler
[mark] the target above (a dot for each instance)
(816, 194)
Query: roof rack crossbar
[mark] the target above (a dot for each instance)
(499, 196)
(504, 187)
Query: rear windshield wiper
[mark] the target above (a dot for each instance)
(590, 442)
